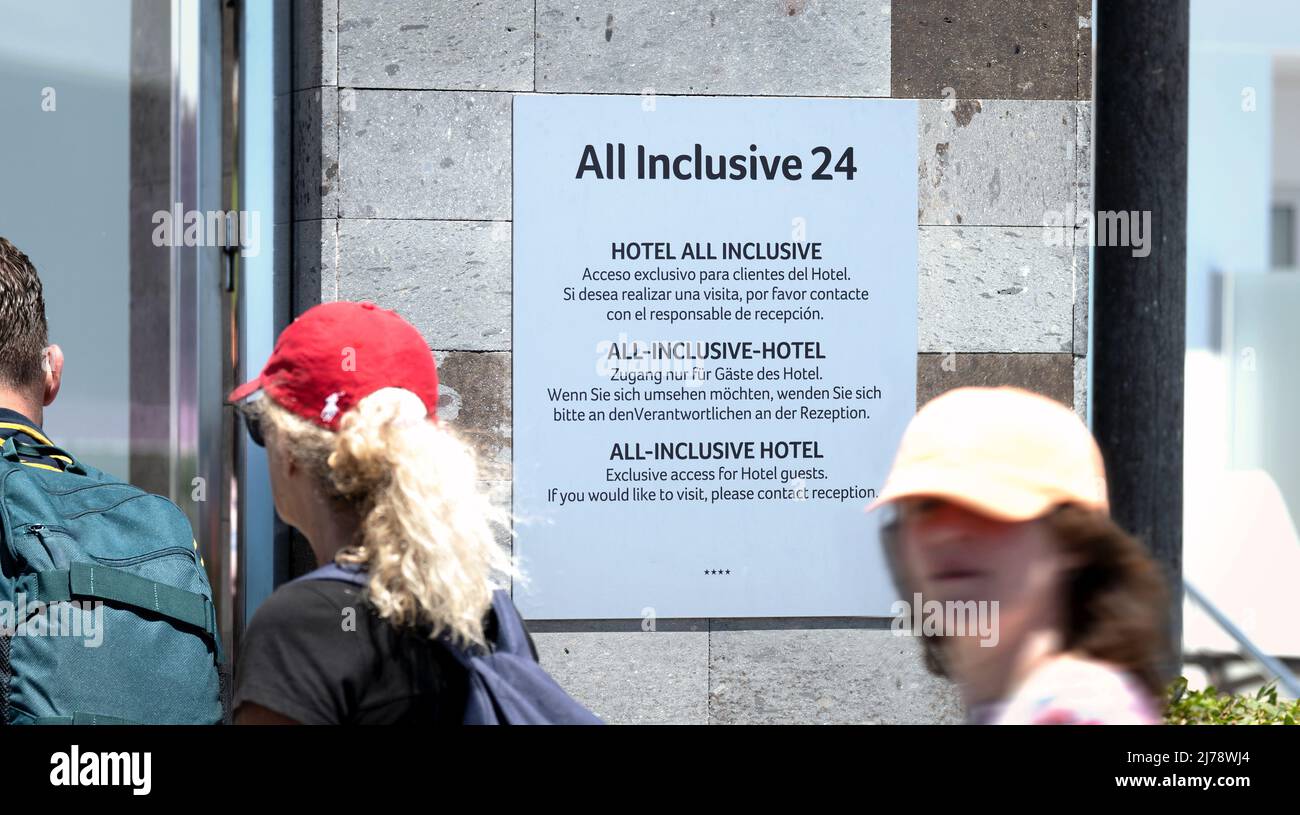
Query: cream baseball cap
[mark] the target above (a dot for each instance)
(1004, 452)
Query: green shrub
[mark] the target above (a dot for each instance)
(1211, 707)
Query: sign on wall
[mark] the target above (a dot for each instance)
(714, 351)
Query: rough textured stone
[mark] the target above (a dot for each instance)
(1013, 49)
(451, 279)
(316, 153)
(417, 44)
(1085, 48)
(1082, 256)
(779, 47)
(1049, 374)
(854, 675)
(425, 154)
(315, 51)
(995, 163)
(285, 127)
(501, 494)
(995, 289)
(632, 677)
(315, 250)
(282, 277)
(474, 401)
(1083, 158)
(1081, 387)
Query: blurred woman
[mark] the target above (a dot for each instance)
(1000, 509)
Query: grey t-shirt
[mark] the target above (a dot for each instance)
(299, 659)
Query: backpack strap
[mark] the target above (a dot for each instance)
(14, 451)
(511, 637)
(116, 586)
(81, 719)
(337, 571)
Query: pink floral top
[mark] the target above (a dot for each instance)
(1070, 690)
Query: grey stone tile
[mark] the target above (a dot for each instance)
(1083, 159)
(315, 43)
(1013, 49)
(815, 676)
(474, 401)
(1081, 387)
(1049, 374)
(316, 153)
(632, 677)
(500, 494)
(995, 163)
(451, 279)
(995, 289)
(284, 132)
(282, 239)
(777, 47)
(417, 44)
(1085, 48)
(425, 154)
(1082, 270)
(315, 253)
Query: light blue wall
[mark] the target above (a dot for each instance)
(64, 200)
(1230, 149)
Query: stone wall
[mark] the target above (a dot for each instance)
(402, 195)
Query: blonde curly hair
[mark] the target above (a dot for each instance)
(426, 532)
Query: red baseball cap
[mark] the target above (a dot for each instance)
(336, 354)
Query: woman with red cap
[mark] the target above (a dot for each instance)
(358, 463)
(1000, 505)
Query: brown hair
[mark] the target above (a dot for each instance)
(23, 330)
(1116, 602)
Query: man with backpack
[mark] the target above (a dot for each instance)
(75, 540)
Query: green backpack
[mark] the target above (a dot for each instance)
(106, 614)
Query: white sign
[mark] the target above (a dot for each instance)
(714, 352)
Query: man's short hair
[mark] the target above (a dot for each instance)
(24, 332)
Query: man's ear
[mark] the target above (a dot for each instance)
(52, 366)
